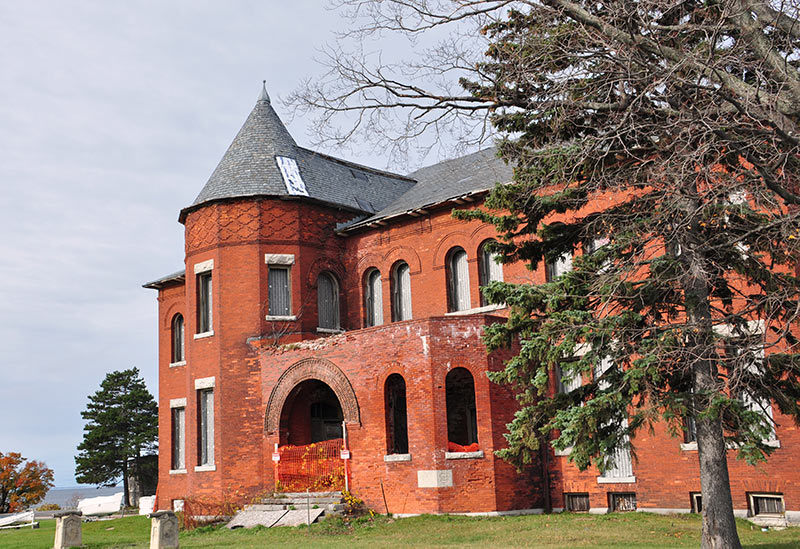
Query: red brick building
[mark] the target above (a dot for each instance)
(324, 300)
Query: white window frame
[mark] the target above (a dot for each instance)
(177, 446)
(207, 462)
(373, 298)
(205, 303)
(284, 262)
(401, 292)
(458, 290)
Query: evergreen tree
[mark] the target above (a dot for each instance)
(122, 425)
(655, 141)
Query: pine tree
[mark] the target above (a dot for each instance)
(122, 425)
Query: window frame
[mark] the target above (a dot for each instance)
(753, 506)
(205, 402)
(489, 270)
(178, 337)
(178, 436)
(335, 306)
(458, 290)
(470, 407)
(401, 292)
(396, 444)
(373, 302)
(205, 303)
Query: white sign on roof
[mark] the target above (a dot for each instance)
(291, 176)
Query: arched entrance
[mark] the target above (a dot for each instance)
(311, 413)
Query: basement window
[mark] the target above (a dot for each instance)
(697, 502)
(625, 501)
(769, 505)
(576, 503)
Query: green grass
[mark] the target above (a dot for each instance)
(574, 530)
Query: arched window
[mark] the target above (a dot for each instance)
(177, 339)
(328, 301)
(373, 298)
(462, 419)
(489, 269)
(396, 415)
(401, 292)
(457, 280)
(554, 269)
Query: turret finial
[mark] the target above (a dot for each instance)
(264, 96)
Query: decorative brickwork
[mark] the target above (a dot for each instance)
(312, 368)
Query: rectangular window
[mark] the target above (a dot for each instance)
(576, 503)
(697, 502)
(279, 295)
(766, 504)
(622, 502)
(204, 319)
(205, 427)
(178, 438)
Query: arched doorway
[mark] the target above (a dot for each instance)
(311, 413)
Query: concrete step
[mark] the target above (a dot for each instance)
(327, 507)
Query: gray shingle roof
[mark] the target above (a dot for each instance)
(249, 168)
(178, 276)
(444, 181)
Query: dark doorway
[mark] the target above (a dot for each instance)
(311, 413)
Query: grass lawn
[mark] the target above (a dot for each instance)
(573, 530)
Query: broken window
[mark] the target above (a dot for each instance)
(489, 269)
(328, 301)
(204, 320)
(177, 339)
(622, 502)
(457, 280)
(462, 420)
(396, 415)
(373, 298)
(401, 292)
(178, 460)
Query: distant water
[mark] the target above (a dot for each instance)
(67, 497)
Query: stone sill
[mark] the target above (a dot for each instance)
(477, 310)
(176, 364)
(177, 471)
(201, 468)
(464, 455)
(330, 331)
(204, 334)
(564, 452)
(281, 318)
(616, 480)
(396, 457)
(692, 446)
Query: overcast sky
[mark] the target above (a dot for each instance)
(112, 117)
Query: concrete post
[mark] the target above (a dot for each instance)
(163, 530)
(68, 529)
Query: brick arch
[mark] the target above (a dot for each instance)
(324, 264)
(458, 238)
(311, 368)
(480, 235)
(404, 253)
(369, 260)
(173, 309)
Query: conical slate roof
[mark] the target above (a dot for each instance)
(250, 167)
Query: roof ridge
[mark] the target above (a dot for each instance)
(350, 163)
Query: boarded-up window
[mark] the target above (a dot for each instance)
(622, 502)
(373, 298)
(279, 297)
(204, 320)
(489, 270)
(619, 463)
(205, 427)
(179, 438)
(396, 415)
(458, 280)
(328, 301)
(766, 504)
(401, 292)
(177, 339)
(462, 420)
(576, 503)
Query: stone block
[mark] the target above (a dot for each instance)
(68, 529)
(163, 530)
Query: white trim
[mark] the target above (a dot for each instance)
(689, 446)
(391, 458)
(177, 402)
(477, 310)
(176, 364)
(751, 495)
(598, 510)
(559, 509)
(205, 383)
(281, 318)
(772, 443)
(279, 259)
(201, 468)
(330, 331)
(616, 480)
(561, 453)
(201, 335)
(203, 266)
(464, 455)
(177, 471)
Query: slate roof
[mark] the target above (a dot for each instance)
(249, 168)
(448, 180)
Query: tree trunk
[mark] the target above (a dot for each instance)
(719, 526)
(125, 494)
